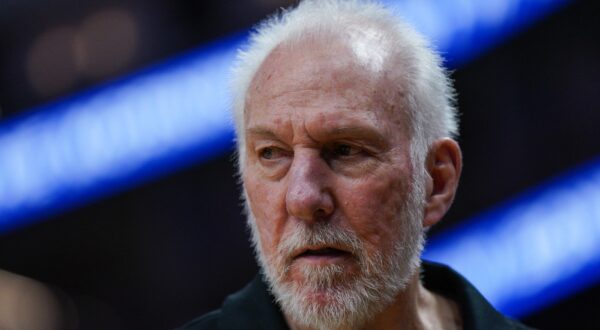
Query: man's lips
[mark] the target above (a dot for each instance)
(322, 252)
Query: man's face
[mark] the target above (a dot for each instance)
(328, 177)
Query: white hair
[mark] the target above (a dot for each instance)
(416, 67)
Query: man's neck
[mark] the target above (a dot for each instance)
(435, 311)
(418, 308)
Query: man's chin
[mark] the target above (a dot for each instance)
(319, 296)
(330, 306)
(321, 278)
(322, 286)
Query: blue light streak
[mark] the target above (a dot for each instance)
(115, 136)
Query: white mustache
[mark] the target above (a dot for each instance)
(319, 234)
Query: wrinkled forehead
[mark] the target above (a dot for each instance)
(306, 65)
(328, 64)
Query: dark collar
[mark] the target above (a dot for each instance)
(252, 308)
(476, 311)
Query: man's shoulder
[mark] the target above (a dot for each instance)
(204, 322)
(253, 307)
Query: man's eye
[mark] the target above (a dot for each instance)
(271, 153)
(266, 153)
(344, 150)
(341, 150)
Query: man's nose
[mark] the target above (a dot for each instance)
(308, 194)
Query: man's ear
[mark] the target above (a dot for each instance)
(443, 164)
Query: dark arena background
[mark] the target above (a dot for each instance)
(117, 184)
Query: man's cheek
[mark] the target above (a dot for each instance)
(257, 197)
(374, 215)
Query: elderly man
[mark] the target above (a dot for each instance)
(345, 120)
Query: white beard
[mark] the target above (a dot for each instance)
(351, 300)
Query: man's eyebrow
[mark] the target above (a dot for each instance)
(359, 132)
(261, 131)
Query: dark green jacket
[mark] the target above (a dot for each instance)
(254, 308)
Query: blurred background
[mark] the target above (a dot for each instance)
(148, 236)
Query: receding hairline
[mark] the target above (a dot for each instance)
(389, 84)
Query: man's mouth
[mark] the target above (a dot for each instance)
(322, 253)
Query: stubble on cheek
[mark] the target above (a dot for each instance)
(266, 210)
